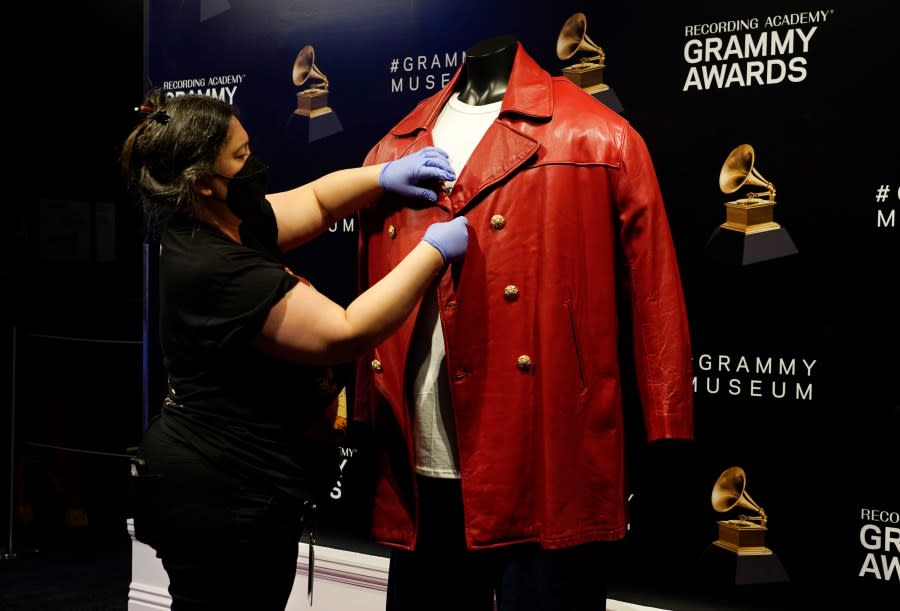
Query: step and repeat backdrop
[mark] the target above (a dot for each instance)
(774, 132)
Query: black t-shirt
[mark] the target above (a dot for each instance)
(241, 410)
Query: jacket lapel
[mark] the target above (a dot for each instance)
(503, 149)
(500, 152)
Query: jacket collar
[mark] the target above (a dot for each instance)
(529, 93)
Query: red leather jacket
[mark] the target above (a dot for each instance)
(565, 213)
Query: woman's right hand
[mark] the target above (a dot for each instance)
(451, 238)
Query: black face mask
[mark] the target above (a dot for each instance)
(247, 188)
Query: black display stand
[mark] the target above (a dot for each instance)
(737, 248)
(721, 566)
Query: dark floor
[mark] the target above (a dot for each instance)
(69, 569)
(89, 569)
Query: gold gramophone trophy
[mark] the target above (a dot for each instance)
(743, 539)
(588, 71)
(754, 212)
(312, 101)
(316, 118)
(749, 233)
(747, 534)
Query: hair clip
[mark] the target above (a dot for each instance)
(149, 111)
(159, 116)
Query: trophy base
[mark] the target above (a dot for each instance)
(318, 112)
(312, 101)
(723, 565)
(743, 538)
(738, 248)
(596, 88)
(608, 97)
(750, 215)
(586, 75)
(314, 127)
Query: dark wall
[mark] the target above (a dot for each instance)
(72, 321)
(76, 116)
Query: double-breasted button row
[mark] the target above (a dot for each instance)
(497, 223)
(511, 293)
(523, 363)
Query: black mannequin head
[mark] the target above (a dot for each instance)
(488, 64)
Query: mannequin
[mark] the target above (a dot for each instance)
(517, 486)
(488, 64)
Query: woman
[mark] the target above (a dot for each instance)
(241, 448)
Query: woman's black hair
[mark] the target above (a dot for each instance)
(176, 143)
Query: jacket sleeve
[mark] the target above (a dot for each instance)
(661, 337)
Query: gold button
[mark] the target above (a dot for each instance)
(376, 366)
(392, 232)
(524, 362)
(511, 292)
(498, 222)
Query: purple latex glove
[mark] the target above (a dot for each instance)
(451, 238)
(403, 175)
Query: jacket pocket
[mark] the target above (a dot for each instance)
(570, 312)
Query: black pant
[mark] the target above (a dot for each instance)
(223, 545)
(440, 574)
(240, 555)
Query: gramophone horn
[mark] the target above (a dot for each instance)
(305, 67)
(730, 492)
(738, 170)
(573, 38)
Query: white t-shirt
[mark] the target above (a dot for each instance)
(458, 130)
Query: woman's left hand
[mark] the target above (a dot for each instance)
(405, 174)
